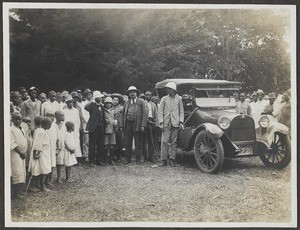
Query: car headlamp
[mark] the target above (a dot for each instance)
(224, 122)
(264, 122)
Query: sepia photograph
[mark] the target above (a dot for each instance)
(149, 115)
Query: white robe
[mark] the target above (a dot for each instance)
(52, 133)
(73, 115)
(18, 168)
(41, 143)
(69, 159)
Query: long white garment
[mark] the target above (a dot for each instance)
(257, 108)
(73, 115)
(49, 106)
(52, 132)
(69, 158)
(41, 143)
(18, 169)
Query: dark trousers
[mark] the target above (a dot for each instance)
(96, 141)
(147, 143)
(129, 134)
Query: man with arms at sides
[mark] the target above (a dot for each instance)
(170, 117)
(134, 122)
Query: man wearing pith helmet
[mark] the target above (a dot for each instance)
(170, 117)
(96, 128)
(134, 122)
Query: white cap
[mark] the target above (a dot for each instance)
(171, 85)
(69, 98)
(97, 94)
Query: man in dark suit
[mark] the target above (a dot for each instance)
(96, 128)
(134, 122)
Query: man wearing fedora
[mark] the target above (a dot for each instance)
(134, 119)
(31, 107)
(170, 117)
(270, 107)
(96, 128)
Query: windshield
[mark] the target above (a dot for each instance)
(215, 98)
(215, 102)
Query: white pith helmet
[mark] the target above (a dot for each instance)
(171, 85)
(97, 94)
(108, 100)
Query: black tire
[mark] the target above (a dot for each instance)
(209, 152)
(279, 154)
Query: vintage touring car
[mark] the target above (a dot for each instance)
(215, 131)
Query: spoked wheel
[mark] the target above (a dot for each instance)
(279, 153)
(209, 152)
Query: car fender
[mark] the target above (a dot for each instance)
(214, 130)
(276, 127)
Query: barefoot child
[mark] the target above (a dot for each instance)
(60, 144)
(70, 147)
(41, 149)
(52, 133)
(109, 137)
(34, 179)
(18, 148)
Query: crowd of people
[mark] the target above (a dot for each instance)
(278, 106)
(74, 128)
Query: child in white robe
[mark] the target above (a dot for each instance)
(18, 148)
(53, 139)
(60, 144)
(70, 147)
(72, 114)
(34, 179)
(41, 149)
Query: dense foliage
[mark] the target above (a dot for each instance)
(112, 49)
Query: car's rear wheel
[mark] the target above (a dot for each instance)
(279, 154)
(209, 152)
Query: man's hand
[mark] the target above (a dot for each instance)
(23, 155)
(181, 126)
(143, 129)
(36, 154)
(161, 126)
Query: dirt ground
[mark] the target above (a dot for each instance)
(244, 191)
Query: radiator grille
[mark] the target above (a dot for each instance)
(242, 129)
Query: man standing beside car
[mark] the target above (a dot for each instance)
(170, 117)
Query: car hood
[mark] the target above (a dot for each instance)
(214, 115)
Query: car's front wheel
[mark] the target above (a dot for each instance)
(209, 152)
(279, 153)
